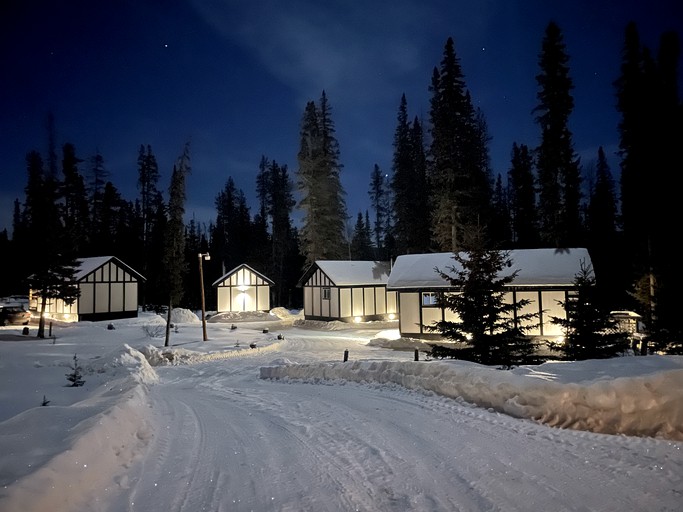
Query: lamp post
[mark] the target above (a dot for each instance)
(202, 257)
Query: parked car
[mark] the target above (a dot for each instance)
(14, 315)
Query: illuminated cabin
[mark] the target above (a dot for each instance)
(243, 289)
(108, 290)
(545, 277)
(348, 291)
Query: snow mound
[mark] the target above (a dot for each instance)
(243, 316)
(184, 316)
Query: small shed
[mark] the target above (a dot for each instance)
(109, 290)
(243, 289)
(545, 277)
(348, 291)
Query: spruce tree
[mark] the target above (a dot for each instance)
(559, 177)
(319, 182)
(74, 202)
(458, 175)
(379, 201)
(361, 244)
(522, 198)
(490, 328)
(173, 261)
(501, 230)
(590, 331)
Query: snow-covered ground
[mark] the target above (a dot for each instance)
(289, 426)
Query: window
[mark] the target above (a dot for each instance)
(326, 293)
(428, 298)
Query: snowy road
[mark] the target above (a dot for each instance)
(226, 440)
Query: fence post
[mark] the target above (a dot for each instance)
(346, 355)
(417, 355)
(50, 330)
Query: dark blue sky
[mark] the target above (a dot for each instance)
(234, 77)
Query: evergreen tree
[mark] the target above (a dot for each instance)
(173, 261)
(286, 262)
(76, 375)
(148, 179)
(590, 331)
(522, 198)
(74, 202)
(97, 180)
(319, 182)
(650, 131)
(361, 242)
(379, 200)
(557, 165)
(459, 184)
(489, 328)
(501, 231)
(603, 240)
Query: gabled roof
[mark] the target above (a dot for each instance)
(88, 265)
(240, 267)
(350, 273)
(536, 267)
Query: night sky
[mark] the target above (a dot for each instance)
(233, 77)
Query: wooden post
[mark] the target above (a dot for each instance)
(417, 355)
(50, 330)
(346, 355)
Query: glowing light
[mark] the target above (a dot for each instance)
(392, 316)
(357, 319)
(242, 288)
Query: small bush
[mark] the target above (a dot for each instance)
(76, 376)
(153, 331)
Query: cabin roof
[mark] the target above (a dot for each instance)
(89, 265)
(240, 267)
(350, 273)
(536, 267)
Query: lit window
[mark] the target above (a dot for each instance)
(326, 294)
(428, 299)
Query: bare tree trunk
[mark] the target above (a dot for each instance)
(41, 320)
(168, 324)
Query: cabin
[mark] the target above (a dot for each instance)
(243, 289)
(348, 291)
(545, 277)
(108, 290)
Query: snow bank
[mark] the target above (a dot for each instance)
(647, 405)
(104, 434)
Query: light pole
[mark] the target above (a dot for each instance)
(202, 257)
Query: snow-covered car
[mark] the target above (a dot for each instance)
(14, 315)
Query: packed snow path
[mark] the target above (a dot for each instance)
(226, 440)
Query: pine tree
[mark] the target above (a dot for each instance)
(319, 182)
(48, 251)
(379, 201)
(97, 180)
(489, 328)
(556, 163)
(173, 262)
(74, 202)
(76, 375)
(522, 198)
(590, 332)
(458, 176)
(361, 242)
(501, 231)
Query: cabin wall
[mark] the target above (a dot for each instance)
(108, 292)
(418, 310)
(243, 291)
(325, 301)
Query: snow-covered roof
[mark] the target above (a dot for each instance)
(88, 265)
(352, 273)
(536, 267)
(239, 267)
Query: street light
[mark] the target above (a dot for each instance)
(202, 257)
